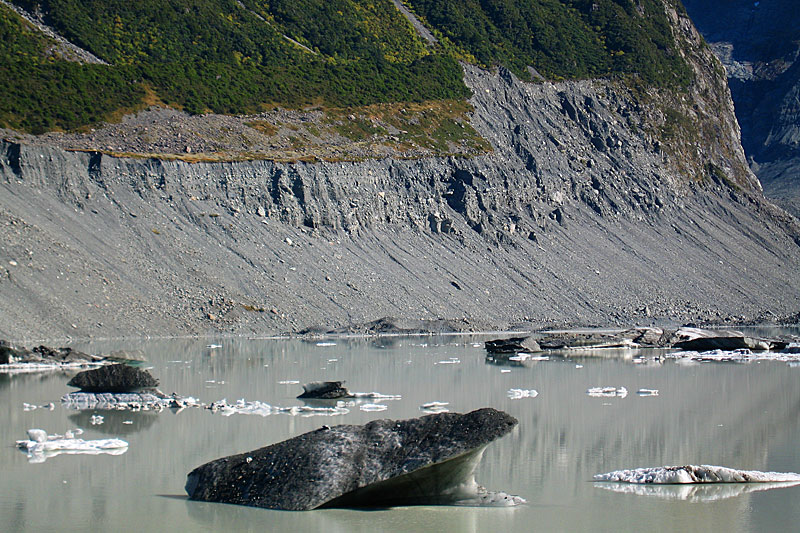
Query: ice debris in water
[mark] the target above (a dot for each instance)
(523, 356)
(376, 396)
(450, 361)
(31, 407)
(373, 407)
(518, 394)
(607, 392)
(435, 407)
(96, 420)
(41, 446)
(289, 382)
(484, 498)
(695, 474)
(741, 355)
(647, 392)
(243, 407)
(326, 344)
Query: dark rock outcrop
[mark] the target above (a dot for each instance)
(512, 345)
(11, 354)
(325, 390)
(386, 462)
(114, 378)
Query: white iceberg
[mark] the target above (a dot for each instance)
(607, 392)
(243, 407)
(518, 394)
(42, 446)
(665, 475)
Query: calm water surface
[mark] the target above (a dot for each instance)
(742, 416)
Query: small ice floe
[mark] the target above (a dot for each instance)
(450, 361)
(518, 394)
(696, 474)
(741, 355)
(607, 392)
(96, 420)
(578, 366)
(213, 346)
(289, 382)
(373, 407)
(31, 407)
(523, 356)
(27, 368)
(435, 407)
(505, 370)
(647, 392)
(243, 407)
(333, 360)
(376, 396)
(326, 344)
(42, 446)
(127, 422)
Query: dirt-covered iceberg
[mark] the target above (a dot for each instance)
(427, 460)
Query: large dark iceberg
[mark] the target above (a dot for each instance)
(427, 460)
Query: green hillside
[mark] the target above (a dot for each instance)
(229, 56)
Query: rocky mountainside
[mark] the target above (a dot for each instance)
(575, 218)
(599, 202)
(759, 43)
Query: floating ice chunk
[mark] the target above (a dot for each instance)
(523, 356)
(696, 474)
(289, 382)
(578, 366)
(213, 346)
(742, 355)
(518, 394)
(30, 407)
(127, 422)
(647, 392)
(505, 371)
(41, 446)
(376, 396)
(607, 392)
(373, 407)
(450, 361)
(243, 407)
(133, 401)
(484, 498)
(96, 420)
(326, 344)
(435, 407)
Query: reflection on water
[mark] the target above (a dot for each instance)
(694, 493)
(733, 415)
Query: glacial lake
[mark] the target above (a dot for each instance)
(743, 416)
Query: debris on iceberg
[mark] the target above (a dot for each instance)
(664, 475)
(42, 446)
(607, 392)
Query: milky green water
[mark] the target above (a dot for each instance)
(735, 415)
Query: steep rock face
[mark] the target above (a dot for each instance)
(583, 214)
(758, 43)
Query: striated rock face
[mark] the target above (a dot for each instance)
(427, 460)
(759, 44)
(583, 214)
(114, 378)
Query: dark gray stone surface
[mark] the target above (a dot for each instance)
(13, 354)
(512, 345)
(319, 467)
(114, 378)
(325, 390)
